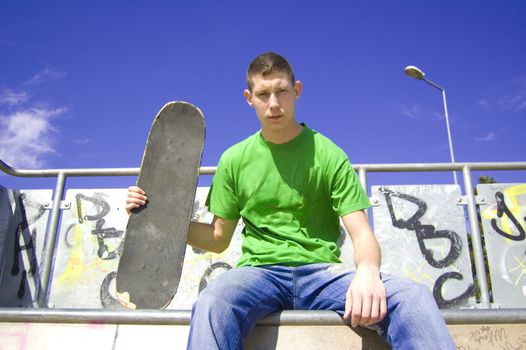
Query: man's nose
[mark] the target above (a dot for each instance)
(273, 101)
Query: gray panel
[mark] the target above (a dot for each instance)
(22, 232)
(88, 247)
(504, 225)
(422, 233)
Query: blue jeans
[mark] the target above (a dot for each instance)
(227, 310)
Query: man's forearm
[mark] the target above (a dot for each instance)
(201, 236)
(366, 248)
(214, 237)
(367, 251)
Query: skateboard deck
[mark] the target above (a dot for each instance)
(155, 241)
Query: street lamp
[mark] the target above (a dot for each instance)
(416, 73)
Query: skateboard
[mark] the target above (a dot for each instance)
(155, 240)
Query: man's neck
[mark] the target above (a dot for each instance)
(282, 136)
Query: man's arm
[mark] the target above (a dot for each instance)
(214, 237)
(366, 300)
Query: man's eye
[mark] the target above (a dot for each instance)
(263, 94)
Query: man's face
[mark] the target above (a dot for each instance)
(273, 97)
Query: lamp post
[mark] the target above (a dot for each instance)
(416, 73)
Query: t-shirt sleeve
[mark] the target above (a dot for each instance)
(221, 200)
(347, 193)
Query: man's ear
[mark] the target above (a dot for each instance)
(248, 97)
(298, 87)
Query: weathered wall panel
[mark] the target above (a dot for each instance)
(422, 234)
(87, 249)
(23, 224)
(504, 223)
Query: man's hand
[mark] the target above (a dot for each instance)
(135, 198)
(366, 300)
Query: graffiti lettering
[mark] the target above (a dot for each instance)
(516, 261)
(102, 233)
(489, 335)
(28, 246)
(437, 290)
(502, 209)
(210, 273)
(22, 227)
(104, 208)
(107, 300)
(426, 232)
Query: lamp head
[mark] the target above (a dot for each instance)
(414, 72)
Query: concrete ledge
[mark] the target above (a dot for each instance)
(106, 329)
(119, 337)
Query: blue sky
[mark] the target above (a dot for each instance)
(81, 81)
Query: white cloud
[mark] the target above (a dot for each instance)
(484, 104)
(413, 112)
(440, 116)
(515, 103)
(26, 137)
(12, 98)
(46, 75)
(82, 141)
(488, 138)
(508, 97)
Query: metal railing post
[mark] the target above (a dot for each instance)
(49, 245)
(476, 241)
(362, 174)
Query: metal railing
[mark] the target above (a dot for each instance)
(284, 318)
(362, 170)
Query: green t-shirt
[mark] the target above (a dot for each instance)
(290, 197)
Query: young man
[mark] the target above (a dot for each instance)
(291, 185)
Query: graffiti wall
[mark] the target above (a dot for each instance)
(88, 246)
(503, 216)
(23, 223)
(421, 230)
(90, 243)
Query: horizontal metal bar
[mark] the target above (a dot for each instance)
(88, 172)
(151, 317)
(68, 172)
(410, 167)
(210, 170)
(284, 318)
(484, 316)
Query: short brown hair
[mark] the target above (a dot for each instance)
(268, 63)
